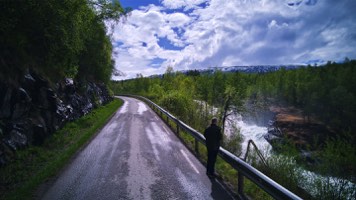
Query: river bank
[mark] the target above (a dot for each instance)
(305, 133)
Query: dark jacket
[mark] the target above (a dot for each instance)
(213, 137)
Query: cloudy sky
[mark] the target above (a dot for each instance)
(195, 34)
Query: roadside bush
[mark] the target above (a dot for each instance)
(179, 104)
(286, 171)
(233, 143)
(337, 165)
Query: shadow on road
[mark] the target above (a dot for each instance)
(218, 191)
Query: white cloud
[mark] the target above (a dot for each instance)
(187, 4)
(237, 32)
(177, 19)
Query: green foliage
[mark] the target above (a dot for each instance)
(286, 171)
(34, 165)
(340, 155)
(337, 164)
(42, 34)
(177, 103)
(107, 9)
(233, 144)
(156, 90)
(56, 38)
(333, 188)
(95, 61)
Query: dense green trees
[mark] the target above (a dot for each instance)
(327, 93)
(95, 60)
(57, 38)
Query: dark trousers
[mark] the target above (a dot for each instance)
(210, 167)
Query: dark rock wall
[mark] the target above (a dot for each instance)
(34, 109)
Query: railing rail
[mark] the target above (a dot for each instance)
(244, 169)
(251, 142)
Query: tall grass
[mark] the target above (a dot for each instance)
(36, 164)
(338, 169)
(331, 177)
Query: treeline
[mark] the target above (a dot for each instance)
(327, 92)
(57, 38)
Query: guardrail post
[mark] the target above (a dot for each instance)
(177, 123)
(197, 147)
(240, 185)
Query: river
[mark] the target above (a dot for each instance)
(310, 179)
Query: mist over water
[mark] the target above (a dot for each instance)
(249, 131)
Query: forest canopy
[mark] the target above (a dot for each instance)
(57, 38)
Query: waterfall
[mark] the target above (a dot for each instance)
(249, 132)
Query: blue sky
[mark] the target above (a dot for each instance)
(135, 4)
(196, 34)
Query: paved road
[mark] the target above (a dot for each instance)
(135, 156)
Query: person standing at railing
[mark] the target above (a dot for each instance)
(213, 137)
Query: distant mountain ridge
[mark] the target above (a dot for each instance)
(253, 68)
(245, 69)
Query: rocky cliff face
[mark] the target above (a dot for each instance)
(34, 109)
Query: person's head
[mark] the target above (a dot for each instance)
(214, 121)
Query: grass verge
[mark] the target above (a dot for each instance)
(36, 164)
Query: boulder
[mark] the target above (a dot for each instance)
(5, 102)
(21, 104)
(33, 110)
(16, 140)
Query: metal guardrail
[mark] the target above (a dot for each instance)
(244, 169)
(259, 154)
